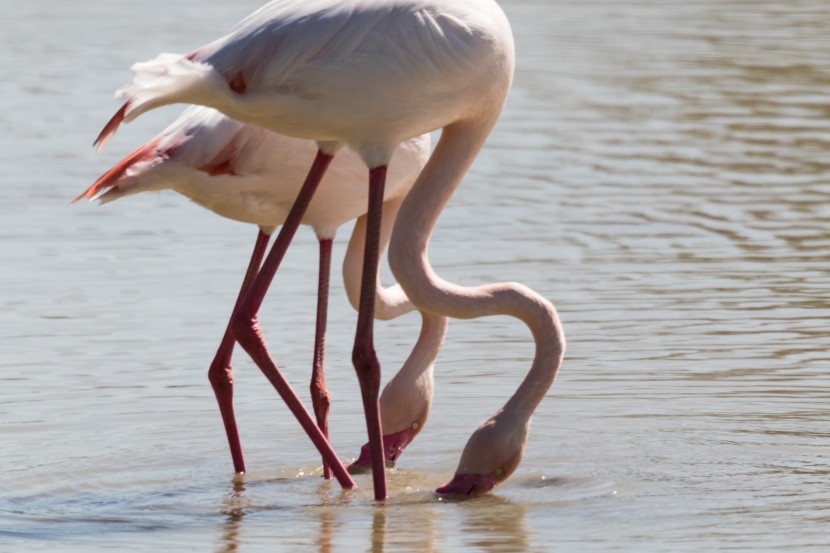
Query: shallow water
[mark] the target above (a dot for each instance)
(660, 173)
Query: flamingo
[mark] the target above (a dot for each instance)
(369, 74)
(252, 175)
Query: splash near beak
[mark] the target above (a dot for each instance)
(393, 446)
(469, 484)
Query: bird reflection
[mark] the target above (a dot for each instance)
(326, 526)
(234, 508)
(406, 524)
(495, 524)
(404, 527)
(378, 535)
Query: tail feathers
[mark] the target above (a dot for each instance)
(112, 126)
(108, 182)
(167, 79)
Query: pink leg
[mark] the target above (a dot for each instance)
(247, 332)
(320, 399)
(220, 373)
(363, 356)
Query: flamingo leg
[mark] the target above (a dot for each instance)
(320, 399)
(246, 328)
(220, 373)
(363, 355)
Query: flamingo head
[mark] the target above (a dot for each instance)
(393, 446)
(491, 455)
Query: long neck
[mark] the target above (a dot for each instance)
(422, 358)
(391, 302)
(453, 155)
(407, 397)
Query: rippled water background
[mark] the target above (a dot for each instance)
(660, 173)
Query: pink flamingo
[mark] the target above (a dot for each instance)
(370, 74)
(252, 175)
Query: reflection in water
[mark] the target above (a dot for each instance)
(660, 172)
(326, 515)
(378, 534)
(234, 507)
(404, 527)
(392, 526)
(495, 524)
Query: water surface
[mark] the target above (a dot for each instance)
(660, 173)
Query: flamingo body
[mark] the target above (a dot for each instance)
(249, 174)
(315, 69)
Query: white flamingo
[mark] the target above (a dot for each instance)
(370, 74)
(253, 175)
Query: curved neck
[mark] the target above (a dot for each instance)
(407, 397)
(423, 355)
(390, 302)
(419, 212)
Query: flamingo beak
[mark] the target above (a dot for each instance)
(469, 484)
(393, 446)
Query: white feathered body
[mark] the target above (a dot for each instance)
(366, 73)
(250, 174)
